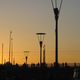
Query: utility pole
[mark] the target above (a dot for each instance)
(56, 11)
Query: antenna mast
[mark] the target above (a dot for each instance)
(10, 39)
(56, 11)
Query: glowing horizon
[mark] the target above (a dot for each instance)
(27, 17)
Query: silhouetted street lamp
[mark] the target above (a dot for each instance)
(26, 57)
(56, 14)
(40, 39)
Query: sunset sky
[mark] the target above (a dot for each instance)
(27, 17)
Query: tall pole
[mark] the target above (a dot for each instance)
(56, 34)
(41, 39)
(41, 51)
(11, 50)
(10, 46)
(44, 54)
(56, 13)
(2, 53)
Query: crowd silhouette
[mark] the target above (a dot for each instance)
(36, 72)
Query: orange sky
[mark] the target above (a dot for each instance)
(27, 17)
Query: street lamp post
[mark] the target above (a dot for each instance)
(40, 39)
(2, 52)
(26, 57)
(56, 11)
(44, 55)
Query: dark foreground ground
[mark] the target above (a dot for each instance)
(16, 72)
